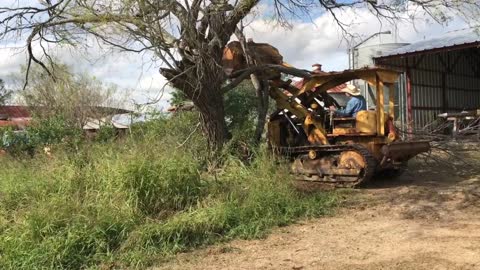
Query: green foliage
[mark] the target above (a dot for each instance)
(241, 106)
(41, 132)
(61, 234)
(17, 143)
(246, 202)
(129, 204)
(106, 133)
(178, 98)
(167, 132)
(54, 130)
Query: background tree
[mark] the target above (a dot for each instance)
(187, 36)
(76, 98)
(5, 94)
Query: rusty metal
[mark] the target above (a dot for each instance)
(234, 58)
(402, 151)
(343, 166)
(325, 153)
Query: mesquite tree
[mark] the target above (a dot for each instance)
(188, 36)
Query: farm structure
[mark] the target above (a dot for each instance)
(19, 117)
(440, 75)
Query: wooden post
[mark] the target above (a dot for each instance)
(391, 101)
(380, 108)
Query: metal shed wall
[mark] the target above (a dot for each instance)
(445, 81)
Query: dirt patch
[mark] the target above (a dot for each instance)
(429, 218)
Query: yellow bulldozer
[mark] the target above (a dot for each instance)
(339, 151)
(326, 149)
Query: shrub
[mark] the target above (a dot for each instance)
(106, 133)
(49, 131)
(17, 143)
(54, 130)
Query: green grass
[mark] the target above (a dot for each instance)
(132, 203)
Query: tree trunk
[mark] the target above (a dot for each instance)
(261, 88)
(201, 82)
(212, 114)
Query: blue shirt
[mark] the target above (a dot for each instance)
(354, 105)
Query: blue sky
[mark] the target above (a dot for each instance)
(318, 40)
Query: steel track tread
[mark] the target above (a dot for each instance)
(315, 184)
(305, 149)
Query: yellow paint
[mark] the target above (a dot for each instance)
(313, 128)
(344, 131)
(366, 122)
(387, 76)
(391, 137)
(316, 134)
(380, 108)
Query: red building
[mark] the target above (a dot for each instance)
(15, 116)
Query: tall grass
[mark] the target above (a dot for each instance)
(130, 203)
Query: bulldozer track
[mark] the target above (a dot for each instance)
(305, 149)
(315, 182)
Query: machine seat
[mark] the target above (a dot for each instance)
(364, 123)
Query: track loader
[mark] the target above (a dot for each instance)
(338, 151)
(325, 149)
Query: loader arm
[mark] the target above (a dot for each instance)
(325, 150)
(316, 85)
(313, 128)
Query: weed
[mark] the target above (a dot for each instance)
(130, 204)
(164, 184)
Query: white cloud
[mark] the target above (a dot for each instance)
(136, 75)
(12, 59)
(304, 44)
(321, 41)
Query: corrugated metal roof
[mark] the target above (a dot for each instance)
(14, 111)
(451, 39)
(94, 124)
(20, 111)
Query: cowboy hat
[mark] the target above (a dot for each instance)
(351, 89)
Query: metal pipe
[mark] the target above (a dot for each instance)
(291, 123)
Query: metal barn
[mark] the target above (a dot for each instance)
(439, 75)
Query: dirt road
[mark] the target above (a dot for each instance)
(426, 219)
